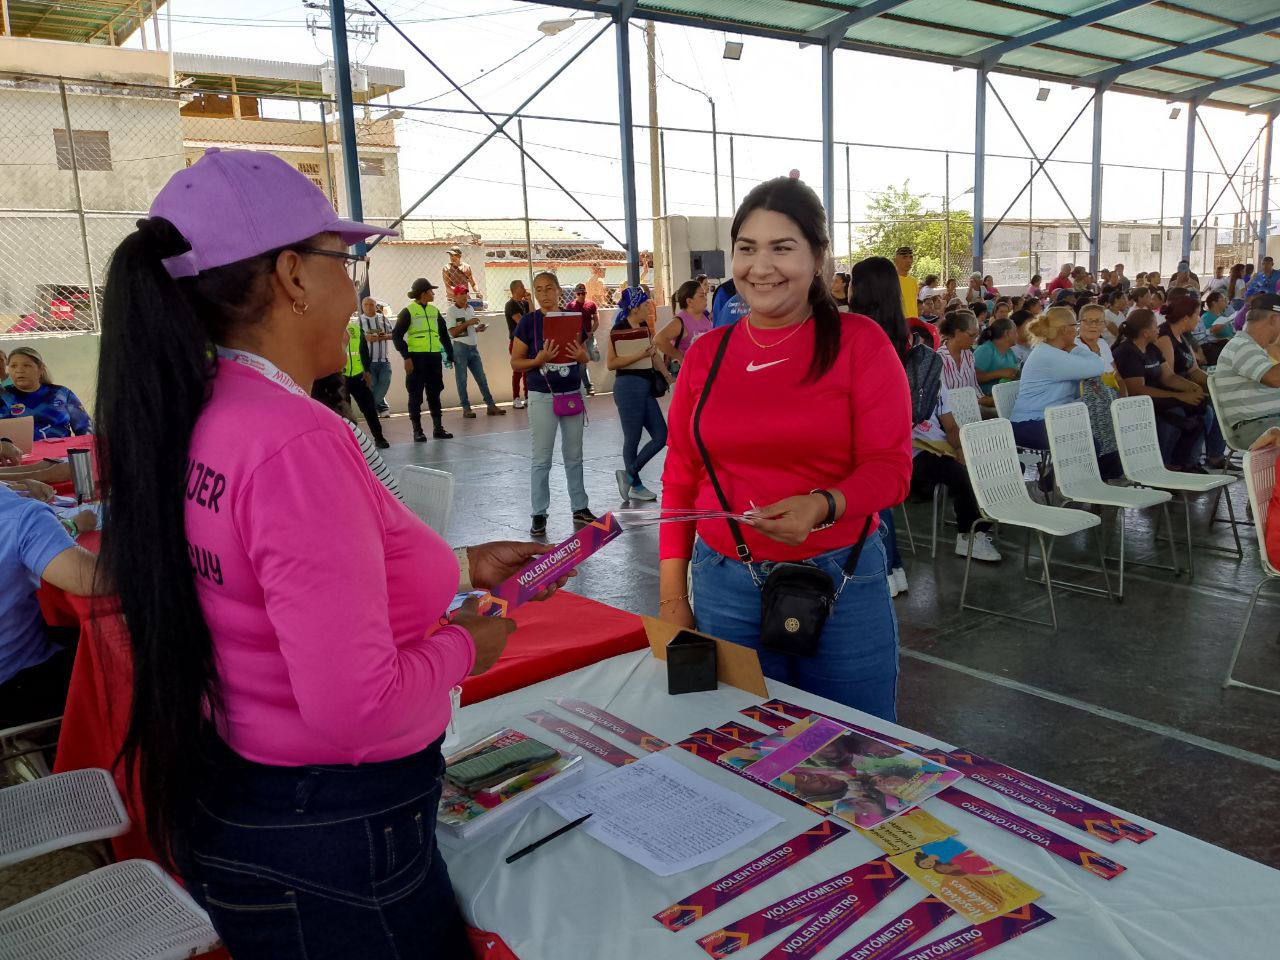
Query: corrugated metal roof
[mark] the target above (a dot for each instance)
(108, 22)
(1065, 40)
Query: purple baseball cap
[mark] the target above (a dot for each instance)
(234, 204)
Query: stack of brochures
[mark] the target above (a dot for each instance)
(858, 778)
(486, 781)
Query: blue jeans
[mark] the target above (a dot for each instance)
(1180, 430)
(467, 357)
(638, 411)
(303, 863)
(380, 373)
(543, 424)
(857, 659)
(890, 534)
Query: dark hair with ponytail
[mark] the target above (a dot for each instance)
(796, 201)
(877, 293)
(1137, 321)
(687, 291)
(146, 412)
(995, 330)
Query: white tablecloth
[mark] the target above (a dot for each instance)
(577, 900)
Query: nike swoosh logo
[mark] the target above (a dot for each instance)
(752, 367)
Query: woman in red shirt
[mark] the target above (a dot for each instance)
(807, 429)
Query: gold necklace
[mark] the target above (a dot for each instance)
(770, 346)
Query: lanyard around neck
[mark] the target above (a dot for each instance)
(262, 366)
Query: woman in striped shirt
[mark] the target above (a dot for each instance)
(959, 329)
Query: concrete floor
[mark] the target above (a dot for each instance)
(1124, 702)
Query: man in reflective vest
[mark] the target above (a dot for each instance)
(421, 337)
(357, 377)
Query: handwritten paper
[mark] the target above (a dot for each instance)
(663, 816)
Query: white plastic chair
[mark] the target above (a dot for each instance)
(1078, 479)
(1234, 442)
(126, 911)
(429, 494)
(1260, 481)
(991, 458)
(1135, 427)
(50, 813)
(963, 402)
(1005, 396)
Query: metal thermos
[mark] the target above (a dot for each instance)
(81, 461)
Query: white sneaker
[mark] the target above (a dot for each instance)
(983, 548)
(899, 578)
(893, 585)
(520, 403)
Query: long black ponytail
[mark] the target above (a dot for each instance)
(155, 369)
(796, 200)
(876, 292)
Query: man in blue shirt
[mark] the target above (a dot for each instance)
(1265, 280)
(34, 545)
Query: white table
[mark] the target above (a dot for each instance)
(578, 900)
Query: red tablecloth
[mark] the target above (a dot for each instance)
(563, 634)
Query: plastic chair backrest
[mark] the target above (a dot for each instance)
(1229, 435)
(429, 494)
(991, 459)
(964, 405)
(1071, 446)
(60, 811)
(1005, 396)
(1134, 419)
(1260, 481)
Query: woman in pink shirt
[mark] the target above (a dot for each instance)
(799, 417)
(292, 666)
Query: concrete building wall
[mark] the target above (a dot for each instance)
(1140, 247)
(85, 61)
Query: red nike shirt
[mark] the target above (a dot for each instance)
(773, 434)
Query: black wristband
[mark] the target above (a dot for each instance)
(831, 508)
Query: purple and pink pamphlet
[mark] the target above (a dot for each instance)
(543, 571)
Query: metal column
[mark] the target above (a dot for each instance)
(1188, 181)
(631, 227)
(524, 196)
(1264, 220)
(346, 112)
(979, 165)
(75, 183)
(1095, 188)
(828, 135)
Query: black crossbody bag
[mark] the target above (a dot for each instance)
(796, 598)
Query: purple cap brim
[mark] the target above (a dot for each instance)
(352, 231)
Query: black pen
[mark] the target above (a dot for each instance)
(549, 837)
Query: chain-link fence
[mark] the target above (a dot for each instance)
(83, 159)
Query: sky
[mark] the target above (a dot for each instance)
(912, 112)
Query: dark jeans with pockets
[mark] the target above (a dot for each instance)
(325, 862)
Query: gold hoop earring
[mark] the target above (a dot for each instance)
(302, 311)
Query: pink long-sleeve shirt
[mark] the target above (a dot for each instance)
(323, 593)
(773, 434)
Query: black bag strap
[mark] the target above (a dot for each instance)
(744, 552)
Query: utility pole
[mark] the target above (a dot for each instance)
(655, 169)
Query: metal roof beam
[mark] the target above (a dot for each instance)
(837, 28)
(1198, 94)
(1197, 46)
(992, 55)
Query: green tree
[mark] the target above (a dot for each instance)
(898, 217)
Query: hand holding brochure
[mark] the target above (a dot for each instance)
(545, 570)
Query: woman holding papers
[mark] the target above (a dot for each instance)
(635, 385)
(291, 671)
(553, 374)
(800, 416)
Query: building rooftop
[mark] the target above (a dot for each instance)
(489, 232)
(108, 22)
(265, 78)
